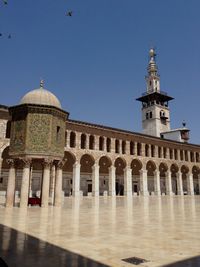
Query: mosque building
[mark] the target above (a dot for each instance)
(45, 155)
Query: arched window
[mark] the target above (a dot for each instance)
(186, 156)
(101, 143)
(8, 128)
(181, 154)
(91, 142)
(171, 154)
(164, 152)
(191, 156)
(131, 148)
(175, 154)
(123, 147)
(72, 139)
(197, 157)
(139, 149)
(83, 141)
(108, 144)
(146, 150)
(152, 150)
(116, 146)
(159, 152)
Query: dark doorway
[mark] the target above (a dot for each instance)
(89, 188)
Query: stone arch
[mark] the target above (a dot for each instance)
(104, 165)
(139, 149)
(86, 161)
(132, 145)
(120, 165)
(150, 167)
(136, 166)
(196, 177)
(152, 151)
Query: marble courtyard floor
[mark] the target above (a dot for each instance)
(97, 232)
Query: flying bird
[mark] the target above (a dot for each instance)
(9, 36)
(69, 13)
(5, 2)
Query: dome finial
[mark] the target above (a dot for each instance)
(42, 83)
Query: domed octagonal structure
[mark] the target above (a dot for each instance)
(38, 126)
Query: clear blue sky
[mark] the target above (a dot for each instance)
(95, 61)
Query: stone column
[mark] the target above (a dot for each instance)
(128, 182)
(95, 180)
(120, 146)
(168, 182)
(87, 141)
(179, 183)
(58, 184)
(76, 179)
(25, 183)
(96, 142)
(190, 184)
(30, 181)
(167, 153)
(112, 181)
(142, 150)
(134, 148)
(10, 194)
(52, 182)
(143, 183)
(45, 183)
(157, 183)
(112, 145)
(67, 141)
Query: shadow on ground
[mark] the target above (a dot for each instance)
(18, 249)
(190, 262)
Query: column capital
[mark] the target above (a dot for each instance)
(96, 165)
(143, 171)
(156, 172)
(61, 163)
(77, 164)
(26, 162)
(47, 162)
(112, 167)
(11, 162)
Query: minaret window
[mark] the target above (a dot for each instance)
(150, 115)
(147, 116)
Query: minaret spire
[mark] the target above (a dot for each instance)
(153, 78)
(42, 84)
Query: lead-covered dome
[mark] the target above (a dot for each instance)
(41, 96)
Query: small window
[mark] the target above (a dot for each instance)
(147, 116)
(1, 180)
(150, 115)
(58, 133)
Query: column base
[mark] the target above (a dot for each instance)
(191, 193)
(144, 194)
(76, 193)
(157, 193)
(170, 193)
(180, 193)
(128, 193)
(95, 194)
(112, 194)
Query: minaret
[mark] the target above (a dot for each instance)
(155, 110)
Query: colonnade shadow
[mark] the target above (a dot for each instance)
(189, 262)
(18, 249)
